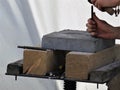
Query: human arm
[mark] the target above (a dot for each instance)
(101, 4)
(101, 29)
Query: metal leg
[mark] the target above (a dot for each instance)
(15, 77)
(69, 85)
(97, 86)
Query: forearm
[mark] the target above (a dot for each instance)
(117, 2)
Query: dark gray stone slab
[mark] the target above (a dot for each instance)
(74, 40)
(105, 73)
(15, 68)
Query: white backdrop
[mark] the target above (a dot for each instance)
(24, 22)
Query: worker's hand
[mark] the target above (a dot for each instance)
(101, 4)
(100, 28)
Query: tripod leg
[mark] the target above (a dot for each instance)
(69, 85)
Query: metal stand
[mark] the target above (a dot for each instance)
(69, 85)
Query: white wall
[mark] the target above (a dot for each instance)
(14, 32)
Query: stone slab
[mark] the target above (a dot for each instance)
(75, 40)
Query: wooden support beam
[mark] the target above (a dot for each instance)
(114, 83)
(38, 62)
(15, 68)
(106, 72)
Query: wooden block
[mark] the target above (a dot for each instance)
(15, 68)
(105, 73)
(38, 62)
(79, 64)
